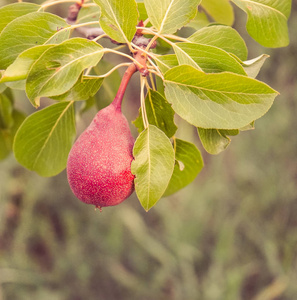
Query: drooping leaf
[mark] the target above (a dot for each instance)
(267, 21)
(167, 16)
(12, 11)
(59, 68)
(188, 165)
(213, 141)
(220, 100)
(118, 19)
(153, 165)
(88, 14)
(6, 109)
(30, 30)
(252, 67)
(207, 58)
(220, 10)
(159, 113)
(19, 69)
(7, 135)
(223, 37)
(84, 88)
(44, 140)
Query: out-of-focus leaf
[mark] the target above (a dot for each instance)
(220, 10)
(89, 14)
(6, 109)
(45, 138)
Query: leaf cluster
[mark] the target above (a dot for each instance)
(204, 78)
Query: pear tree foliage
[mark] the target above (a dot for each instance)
(201, 75)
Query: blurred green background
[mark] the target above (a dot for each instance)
(230, 235)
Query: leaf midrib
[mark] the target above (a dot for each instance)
(50, 133)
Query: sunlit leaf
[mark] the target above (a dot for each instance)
(118, 19)
(27, 31)
(223, 37)
(59, 68)
(167, 16)
(267, 21)
(220, 100)
(153, 165)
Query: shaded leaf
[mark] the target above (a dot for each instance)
(118, 19)
(89, 14)
(84, 88)
(153, 165)
(27, 31)
(167, 16)
(159, 113)
(188, 165)
(252, 67)
(6, 109)
(199, 21)
(59, 68)
(45, 138)
(223, 100)
(7, 135)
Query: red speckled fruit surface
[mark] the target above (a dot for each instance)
(99, 163)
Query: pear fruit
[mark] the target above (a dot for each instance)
(99, 163)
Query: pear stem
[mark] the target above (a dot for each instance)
(140, 57)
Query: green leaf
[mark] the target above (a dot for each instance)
(12, 11)
(7, 135)
(6, 109)
(45, 138)
(221, 100)
(153, 165)
(220, 10)
(167, 16)
(59, 68)
(166, 62)
(19, 69)
(199, 21)
(188, 165)
(213, 141)
(267, 21)
(84, 88)
(118, 19)
(207, 58)
(159, 113)
(252, 67)
(27, 31)
(223, 37)
(89, 14)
